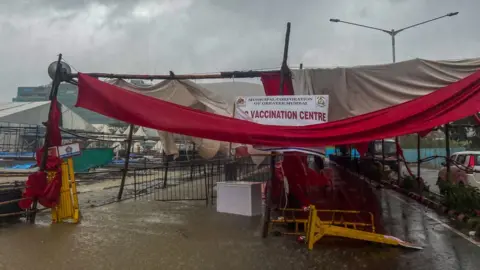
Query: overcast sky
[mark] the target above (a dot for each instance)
(143, 36)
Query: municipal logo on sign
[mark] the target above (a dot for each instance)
(69, 150)
(321, 102)
(240, 101)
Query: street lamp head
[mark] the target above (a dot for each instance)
(452, 14)
(334, 20)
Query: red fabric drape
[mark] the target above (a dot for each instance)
(271, 84)
(54, 135)
(453, 102)
(37, 185)
(294, 167)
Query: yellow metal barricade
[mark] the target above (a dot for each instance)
(67, 209)
(289, 217)
(314, 228)
(318, 229)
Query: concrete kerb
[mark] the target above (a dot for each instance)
(423, 200)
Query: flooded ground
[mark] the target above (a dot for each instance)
(147, 234)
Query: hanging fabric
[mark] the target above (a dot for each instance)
(453, 102)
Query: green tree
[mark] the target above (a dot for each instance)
(468, 130)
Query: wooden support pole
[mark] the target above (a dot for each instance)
(447, 150)
(46, 144)
(127, 160)
(284, 69)
(283, 72)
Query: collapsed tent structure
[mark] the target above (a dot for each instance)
(455, 101)
(185, 93)
(403, 94)
(405, 114)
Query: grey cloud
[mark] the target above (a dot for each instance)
(215, 35)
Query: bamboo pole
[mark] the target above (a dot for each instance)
(268, 196)
(125, 167)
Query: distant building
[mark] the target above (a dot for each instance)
(29, 94)
(67, 95)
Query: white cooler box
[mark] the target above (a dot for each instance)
(240, 198)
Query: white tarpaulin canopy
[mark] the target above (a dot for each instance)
(146, 133)
(358, 90)
(189, 94)
(158, 147)
(127, 131)
(36, 113)
(106, 129)
(140, 133)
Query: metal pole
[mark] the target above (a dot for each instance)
(220, 75)
(125, 167)
(268, 196)
(46, 144)
(392, 34)
(383, 154)
(230, 144)
(419, 162)
(397, 141)
(447, 150)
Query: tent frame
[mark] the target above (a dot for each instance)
(61, 74)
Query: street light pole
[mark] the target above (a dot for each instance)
(393, 33)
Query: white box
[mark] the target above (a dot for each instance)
(240, 198)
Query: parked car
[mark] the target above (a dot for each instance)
(464, 169)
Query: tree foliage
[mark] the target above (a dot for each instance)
(467, 130)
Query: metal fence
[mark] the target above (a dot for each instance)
(194, 181)
(19, 140)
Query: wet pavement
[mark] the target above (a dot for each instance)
(178, 235)
(430, 177)
(444, 246)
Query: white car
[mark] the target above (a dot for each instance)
(463, 169)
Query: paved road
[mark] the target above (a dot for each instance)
(430, 176)
(158, 235)
(444, 246)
